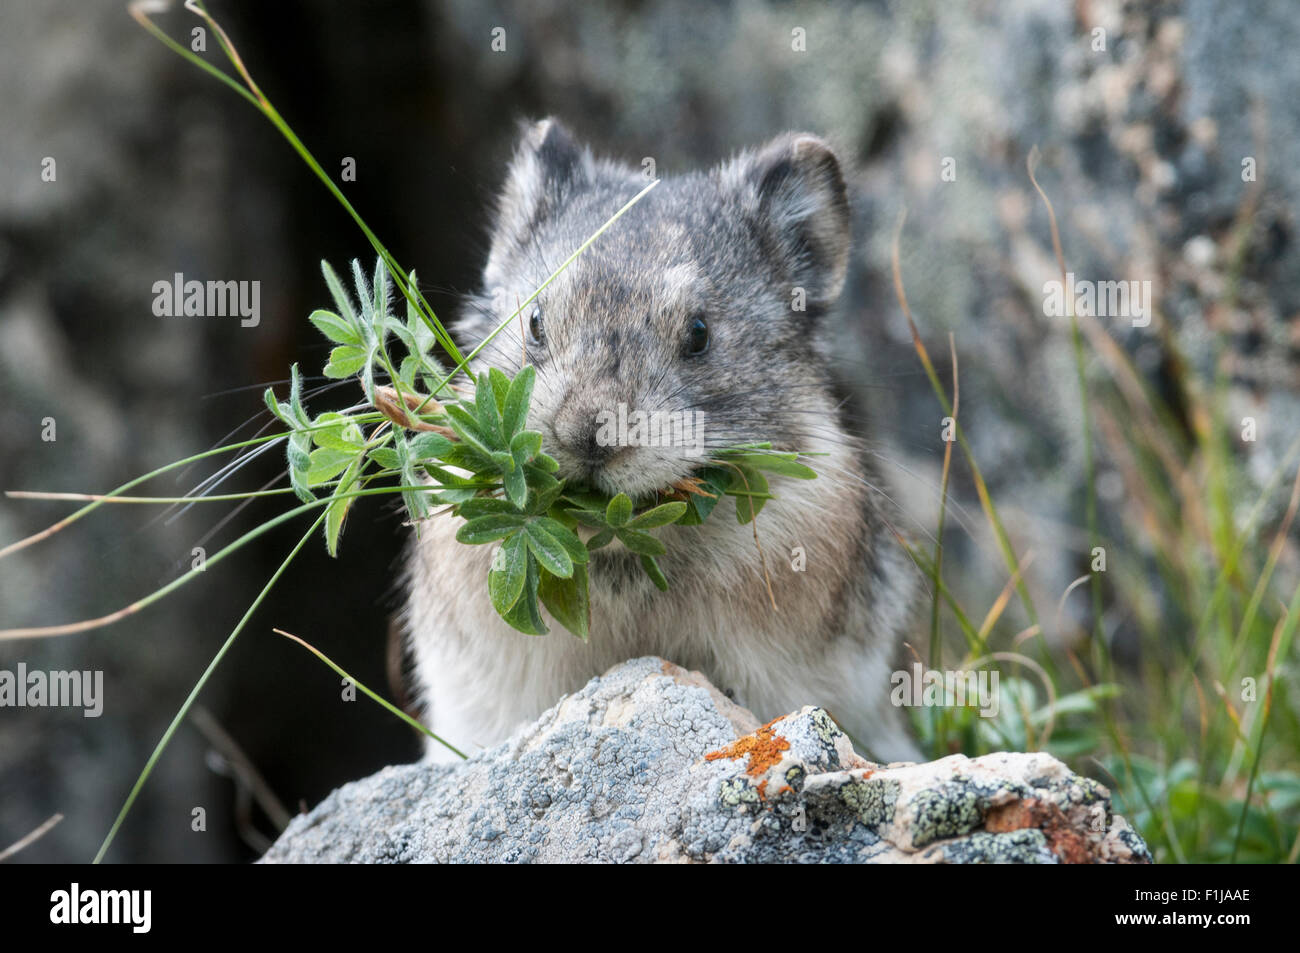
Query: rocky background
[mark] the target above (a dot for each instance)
(161, 170)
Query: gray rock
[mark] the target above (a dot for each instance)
(652, 764)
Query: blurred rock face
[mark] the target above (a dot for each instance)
(1147, 116)
(1168, 134)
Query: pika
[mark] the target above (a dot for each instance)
(690, 303)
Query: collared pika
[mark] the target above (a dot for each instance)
(689, 303)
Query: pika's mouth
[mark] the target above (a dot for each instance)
(682, 489)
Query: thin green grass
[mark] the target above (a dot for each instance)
(1200, 742)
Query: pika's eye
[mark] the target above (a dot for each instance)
(535, 327)
(697, 338)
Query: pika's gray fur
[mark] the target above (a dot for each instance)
(729, 247)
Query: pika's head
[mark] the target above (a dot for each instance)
(693, 323)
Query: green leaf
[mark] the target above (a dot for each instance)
(408, 341)
(345, 361)
(298, 451)
(568, 601)
(420, 332)
(542, 495)
(429, 446)
(550, 553)
(780, 464)
(449, 495)
(563, 518)
(619, 510)
(516, 485)
(381, 293)
(368, 376)
(514, 415)
(508, 574)
(448, 478)
(639, 542)
(338, 432)
(408, 370)
(418, 502)
(485, 529)
(268, 395)
(565, 537)
(295, 396)
(714, 481)
(500, 387)
(656, 574)
(466, 426)
(487, 412)
(525, 445)
(335, 328)
(485, 505)
(326, 464)
(524, 615)
(466, 457)
(589, 518)
(659, 516)
(337, 510)
(603, 538)
(748, 481)
(386, 457)
(341, 302)
(585, 498)
(364, 300)
(335, 513)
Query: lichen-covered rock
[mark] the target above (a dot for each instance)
(650, 764)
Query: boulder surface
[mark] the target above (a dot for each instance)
(650, 763)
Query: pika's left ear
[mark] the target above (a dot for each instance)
(548, 167)
(795, 191)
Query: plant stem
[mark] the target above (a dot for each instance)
(382, 701)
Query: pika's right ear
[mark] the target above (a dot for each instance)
(548, 166)
(794, 189)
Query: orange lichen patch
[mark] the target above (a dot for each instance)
(763, 748)
(762, 790)
(1070, 845)
(1009, 817)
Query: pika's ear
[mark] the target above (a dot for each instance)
(795, 192)
(548, 166)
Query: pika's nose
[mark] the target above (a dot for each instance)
(580, 435)
(593, 450)
(578, 431)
